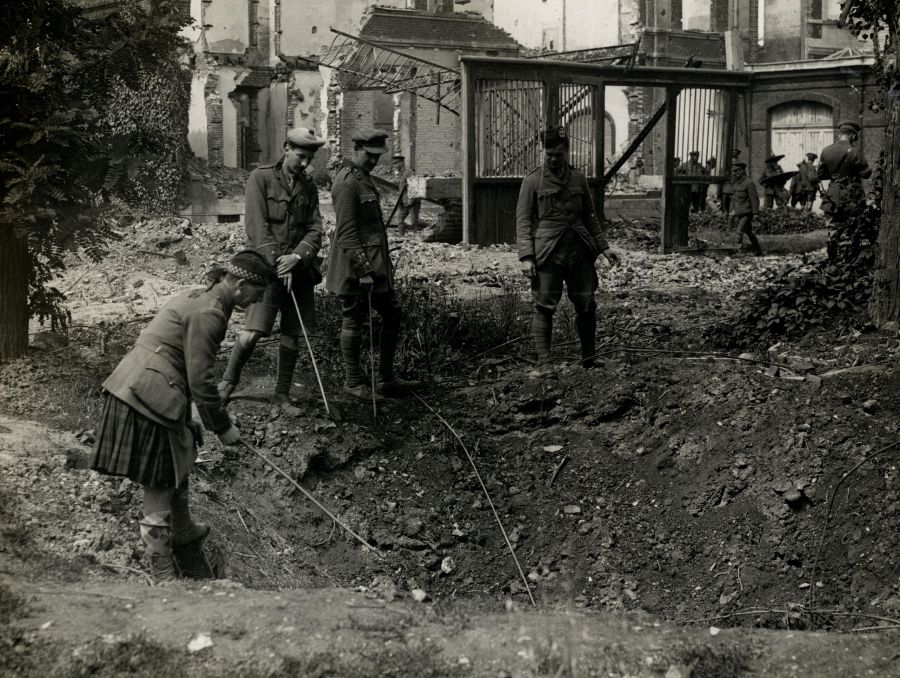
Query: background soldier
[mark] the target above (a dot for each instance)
(773, 193)
(360, 271)
(559, 239)
(146, 433)
(693, 167)
(283, 224)
(804, 185)
(844, 165)
(409, 207)
(744, 205)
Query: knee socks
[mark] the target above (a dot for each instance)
(542, 330)
(351, 343)
(586, 325)
(287, 361)
(240, 354)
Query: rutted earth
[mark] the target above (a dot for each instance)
(666, 495)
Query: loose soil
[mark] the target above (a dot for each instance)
(673, 510)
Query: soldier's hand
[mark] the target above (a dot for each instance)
(197, 430)
(366, 282)
(529, 270)
(611, 257)
(230, 436)
(286, 262)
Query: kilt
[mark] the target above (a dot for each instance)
(131, 445)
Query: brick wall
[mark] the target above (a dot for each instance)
(214, 131)
(847, 90)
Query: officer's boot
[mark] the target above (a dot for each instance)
(586, 325)
(355, 384)
(156, 533)
(240, 354)
(542, 331)
(754, 244)
(388, 383)
(188, 537)
(287, 361)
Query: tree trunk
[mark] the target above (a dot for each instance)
(13, 295)
(885, 304)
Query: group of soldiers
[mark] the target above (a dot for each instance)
(841, 164)
(146, 432)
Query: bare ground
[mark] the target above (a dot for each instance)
(670, 493)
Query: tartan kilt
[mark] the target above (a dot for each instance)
(131, 445)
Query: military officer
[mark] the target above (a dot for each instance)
(844, 167)
(360, 270)
(283, 224)
(744, 205)
(773, 193)
(145, 431)
(558, 239)
(693, 167)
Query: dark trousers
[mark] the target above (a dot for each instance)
(744, 224)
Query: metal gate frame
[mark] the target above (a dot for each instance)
(555, 73)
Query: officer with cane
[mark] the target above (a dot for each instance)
(283, 224)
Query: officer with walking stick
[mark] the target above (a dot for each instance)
(360, 272)
(283, 224)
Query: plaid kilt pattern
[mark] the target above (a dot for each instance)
(131, 445)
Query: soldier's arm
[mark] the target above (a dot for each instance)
(589, 217)
(256, 222)
(526, 219)
(309, 247)
(822, 172)
(345, 198)
(754, 197)
(862, 165)
(203, 333)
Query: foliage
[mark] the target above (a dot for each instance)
(441, 332)
(771, 222)
(89, 110)
(801, 299)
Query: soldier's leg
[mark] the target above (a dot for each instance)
(768, 201)
(289, 345)
(188, 537)
(388, 307)
(746, 226)
(259, 319)
(581, 284)
(156, 532)
(546, 291)
(355, 317)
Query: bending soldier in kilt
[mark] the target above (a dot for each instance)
(558, 238)
(360, 270)
(146, 433)
(284, 225)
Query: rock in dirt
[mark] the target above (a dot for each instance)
(571, 509)
(199, 642)
(871, 406)
(448, 565)
(419, 595)
(412, 527)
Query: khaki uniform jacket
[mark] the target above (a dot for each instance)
(806, 176)
(359, 246)
(280, 219)
(744, 198)
(844, 165)
(548, 206)
(173, 363)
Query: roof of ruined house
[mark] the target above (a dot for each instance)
(388, 26)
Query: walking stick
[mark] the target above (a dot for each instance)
(372, 358)
(309, 496)
(311, 355)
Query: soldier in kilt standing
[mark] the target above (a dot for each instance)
(146, 432)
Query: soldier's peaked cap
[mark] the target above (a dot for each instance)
(774, 158)
(738, 165)
(303, 137)
(849, 126)
(372, 140)
(554, 136)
